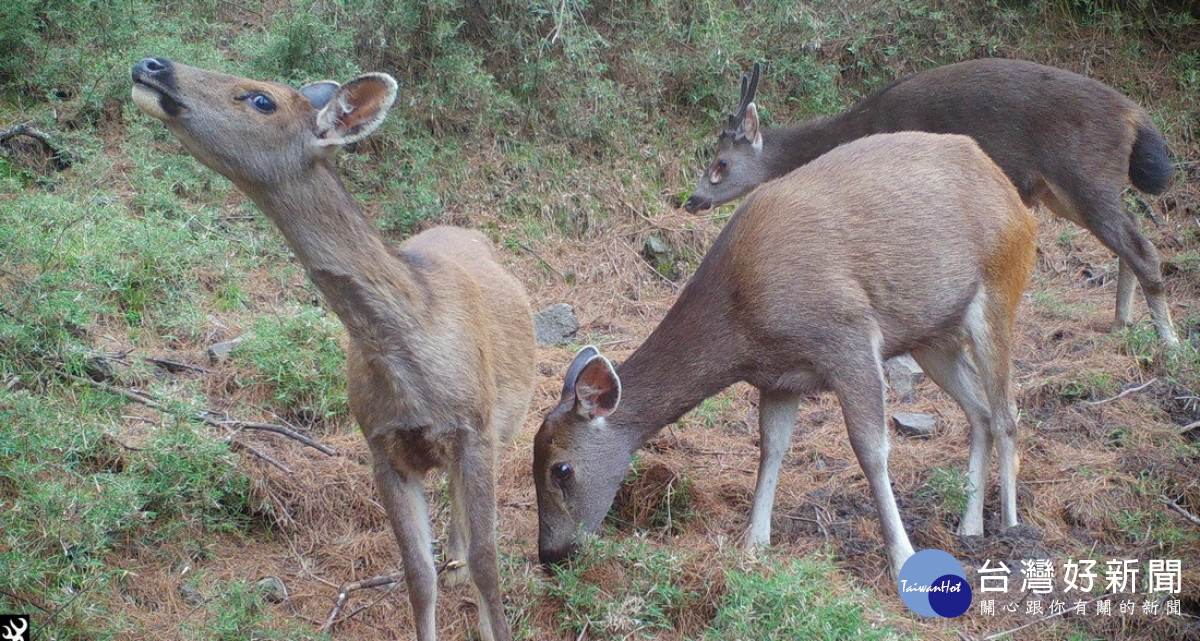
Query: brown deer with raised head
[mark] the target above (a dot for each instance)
(908, 242)
(1066, 141)
(441, 350)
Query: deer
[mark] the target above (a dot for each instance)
(440, 356)
(1066, 141)
(904, 242)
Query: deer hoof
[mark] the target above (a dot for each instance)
(456, 573)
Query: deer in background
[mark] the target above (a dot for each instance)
(441, 352)
(908, 242)
(1066, 141)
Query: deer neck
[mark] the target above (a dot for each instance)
(791, 147)
(691, 355)
(370, 287)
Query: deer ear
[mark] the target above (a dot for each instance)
(356, 109)
(749, 127)
(586, 354)
(319, 93)
(597, 389)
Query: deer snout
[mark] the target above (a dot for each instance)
(696, 203)
(154, 88)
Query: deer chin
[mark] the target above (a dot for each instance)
(155, 102)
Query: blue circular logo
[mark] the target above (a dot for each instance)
(932, 583)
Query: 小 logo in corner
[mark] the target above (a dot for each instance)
(932, 583)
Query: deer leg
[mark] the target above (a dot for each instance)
(857, 379)
(776, 418)
(950, 367)
(474, 473)
(404, 500)
(459, 537)
(989, 329)
(1118, 230)
(1126, 283)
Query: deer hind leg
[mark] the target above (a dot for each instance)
(989, 329)
(404, 500)
(776, 418)
(857, 379)
(1105, 216)
(475, 508)
(950, 367)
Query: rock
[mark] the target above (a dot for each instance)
(555, 325)
(220, 351)
(658, 253)
(191, 594)
(272, 589)
(918, 425)
(903, 374)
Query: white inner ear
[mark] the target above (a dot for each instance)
(750, 127)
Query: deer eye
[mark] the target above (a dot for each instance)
(722, 164)
(260, 101)
(562, 472)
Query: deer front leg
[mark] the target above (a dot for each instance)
(404, 500)
(776, 418)
(474, 474)
(459, 536)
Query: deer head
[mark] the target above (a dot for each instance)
(738, 166)
(578, 459)
(257, 133)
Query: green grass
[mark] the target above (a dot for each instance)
(72, 494)
(950, 491)
(297, 363)
(792, 599)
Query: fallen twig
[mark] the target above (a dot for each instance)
(1179, 508)
(175, 366)
(344, 594)
(60, 158)
(543, 261)
(1124, 393)
(1187, 428)
(284, 430)
(145, 399)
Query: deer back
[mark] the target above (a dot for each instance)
(1039, 124)
(898, 231)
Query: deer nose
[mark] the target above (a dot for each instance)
(152, 67)
(695, 204)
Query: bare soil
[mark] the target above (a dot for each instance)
(1085, 453)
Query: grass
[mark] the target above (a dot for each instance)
(571, 127)
(793, 600)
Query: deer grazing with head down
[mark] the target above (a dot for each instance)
(1066, 141)
(908, 242)
(441, 353)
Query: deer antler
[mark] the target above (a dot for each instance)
(749, 87)
(14, 633)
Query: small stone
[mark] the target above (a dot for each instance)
(903, 374)
(220, 351)
(272, 589)
(191, 594)
(555, 325)
(917, 425)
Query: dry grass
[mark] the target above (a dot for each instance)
(1076, 476)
